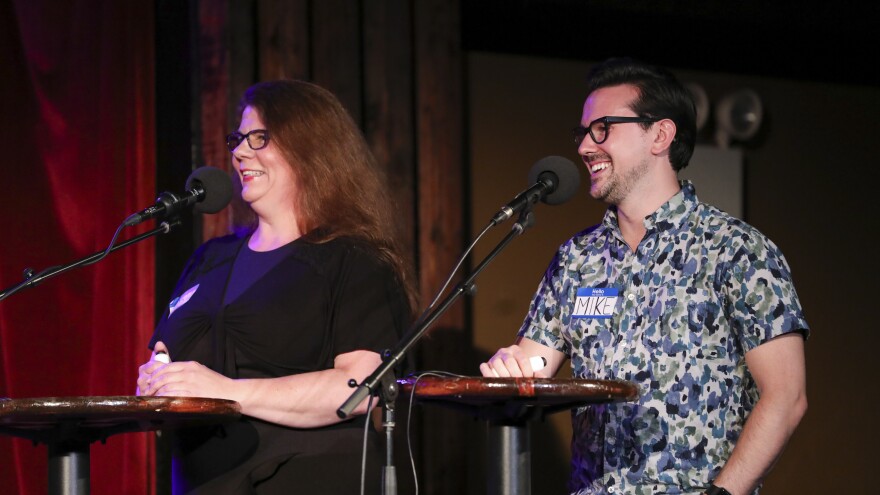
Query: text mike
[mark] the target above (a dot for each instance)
(208, 190)
(555, 180)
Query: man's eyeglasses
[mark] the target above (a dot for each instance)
(257, 139)
(598, 129)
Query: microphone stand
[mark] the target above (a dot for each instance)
(384, 374)
(389, 393)
(31, 279)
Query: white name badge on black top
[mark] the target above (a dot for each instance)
(180, 301)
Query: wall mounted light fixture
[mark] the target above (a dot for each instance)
(738, 116)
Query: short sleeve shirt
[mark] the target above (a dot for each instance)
(676, 317)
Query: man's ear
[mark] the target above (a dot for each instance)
(665, 134)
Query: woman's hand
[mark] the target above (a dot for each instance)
(146, 370)
(187, 379)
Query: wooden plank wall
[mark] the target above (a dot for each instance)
(397, 66)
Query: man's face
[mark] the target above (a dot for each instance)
(617, 165)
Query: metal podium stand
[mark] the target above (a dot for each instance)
(508, 404)
(69, 425)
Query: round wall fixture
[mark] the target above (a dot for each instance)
(738, 116)
(701, 102)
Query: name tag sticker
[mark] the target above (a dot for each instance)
(595, 302)
(180, 301)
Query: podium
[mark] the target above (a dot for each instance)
(69, 425)
(508, 405)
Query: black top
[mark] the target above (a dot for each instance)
(318, 301)
(250, 266)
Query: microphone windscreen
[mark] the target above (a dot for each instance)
(567, 178)
(217, 185)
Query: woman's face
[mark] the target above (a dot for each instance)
(267, 181)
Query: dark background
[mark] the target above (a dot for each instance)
(810, 41)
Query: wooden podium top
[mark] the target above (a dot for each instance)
(52, 419)
(515, 398)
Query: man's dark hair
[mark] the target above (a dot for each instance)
(661, 95)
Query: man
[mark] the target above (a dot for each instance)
(695, 307)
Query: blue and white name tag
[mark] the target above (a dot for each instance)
(180, 301)
(594, 302)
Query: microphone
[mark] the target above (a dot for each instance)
(208, 190)
(555, 180)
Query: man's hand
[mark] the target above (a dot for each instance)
(516, 361)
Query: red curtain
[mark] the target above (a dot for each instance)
(77, 128)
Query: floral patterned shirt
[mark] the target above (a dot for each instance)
(676, 317)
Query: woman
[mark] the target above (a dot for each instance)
(281, 317)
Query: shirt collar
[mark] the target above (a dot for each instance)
(671, 214)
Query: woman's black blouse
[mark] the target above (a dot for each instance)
(320, 300)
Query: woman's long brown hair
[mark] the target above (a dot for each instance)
(341, 190)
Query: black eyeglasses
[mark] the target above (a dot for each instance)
(257, 139)
(598, 129)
